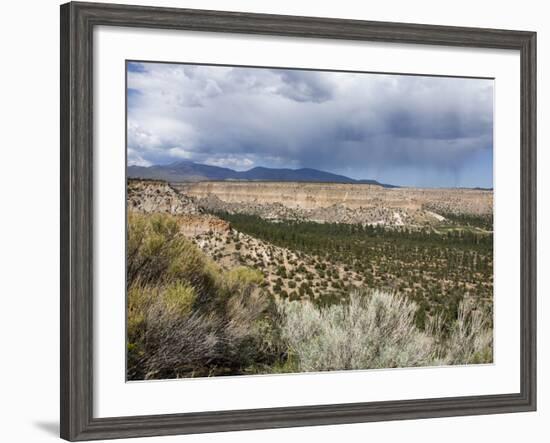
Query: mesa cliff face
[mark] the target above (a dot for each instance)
(322, 195)
(290, 194)
(334, 202)
(317, 202)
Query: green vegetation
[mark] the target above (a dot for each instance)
(434, 267)
(484, 222)
(188, 317)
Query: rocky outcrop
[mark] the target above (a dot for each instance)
(158, 196)
(195, 225)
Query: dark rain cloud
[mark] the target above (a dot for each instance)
(343, 122)
(304, 86)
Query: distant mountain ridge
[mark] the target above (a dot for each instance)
(184, 171)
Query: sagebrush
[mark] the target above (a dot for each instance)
(377, 329)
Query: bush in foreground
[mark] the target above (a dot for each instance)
(186, 317)
(377, 330)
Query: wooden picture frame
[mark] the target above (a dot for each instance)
(77, 23)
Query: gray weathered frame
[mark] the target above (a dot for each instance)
(77, 23)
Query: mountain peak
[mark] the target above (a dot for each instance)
(179, 163)
(186, 170)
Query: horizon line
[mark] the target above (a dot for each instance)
(358, 181)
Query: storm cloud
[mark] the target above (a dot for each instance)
(402, 129)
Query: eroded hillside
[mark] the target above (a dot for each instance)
(286, 272)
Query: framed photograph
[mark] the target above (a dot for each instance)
(273, 221)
